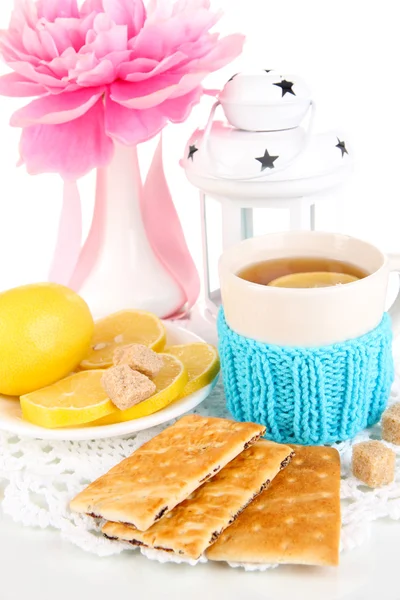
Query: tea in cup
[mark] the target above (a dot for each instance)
(302, 272)
(310, 359)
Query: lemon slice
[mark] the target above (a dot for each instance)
(122, 328)
(170, 383)
(312, 280)
(72, 401)
(202, 364)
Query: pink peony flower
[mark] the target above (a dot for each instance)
(108, 71)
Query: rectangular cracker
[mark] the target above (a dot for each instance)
(296, 521)
(165, 470)
(198, 521)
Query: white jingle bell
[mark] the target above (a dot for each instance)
(265, 101)
(234, 163)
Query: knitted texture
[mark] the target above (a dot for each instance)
(308, 395)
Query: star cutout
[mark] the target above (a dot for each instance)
(233, 77)
(286, 87)
(267, 161)
(192, 151)
(342, 147)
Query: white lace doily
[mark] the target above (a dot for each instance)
(39, 478)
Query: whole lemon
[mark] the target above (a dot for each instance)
(45, 332)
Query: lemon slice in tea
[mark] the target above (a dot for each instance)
(312, 280)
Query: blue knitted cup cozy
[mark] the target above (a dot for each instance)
(308, 395)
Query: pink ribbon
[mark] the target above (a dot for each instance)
(72, 264)
(91, 248)
(69, 238)
(165, 233)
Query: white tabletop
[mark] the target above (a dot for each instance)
(39, 565)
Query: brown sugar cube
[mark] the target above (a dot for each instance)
(373, 463)
(391, 424)
(126, 387)
(140, 358)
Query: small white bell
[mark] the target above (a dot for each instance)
(265, 101)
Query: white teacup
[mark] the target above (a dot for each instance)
(312, 316)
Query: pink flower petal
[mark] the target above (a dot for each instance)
(139, 66)
(11, 48)
(15, 85)
(62, 37)
(76, 29)
(131, 71)
(31, 42)
(28, 71)
(181, 6)
(118, 57)
(200, 47)
(179, 109)
(49, 47)
(160, 38)
(102, 74)
(148, 46)
(71, 149)
(145, 102)
(102, 22)
(51, 9)
(84, 62)
(146, 94)
(158, 10)
(188, 83)
(227, 49)
(90, 6)
(24, 12)
(104, 41)
(154, 90)
(56, 109)
(62, 65)
(126, 12)
(132, 127)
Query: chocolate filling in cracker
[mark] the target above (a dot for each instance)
(166, 470)
(250, 442)
(161, 513)
(286, 461)
(207, 477)
(198, 521)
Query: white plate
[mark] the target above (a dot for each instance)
(11, 416)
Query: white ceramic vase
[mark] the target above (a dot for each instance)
(125, 273)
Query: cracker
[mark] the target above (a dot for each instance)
(295, 521)
(166, 470)
(198, 521)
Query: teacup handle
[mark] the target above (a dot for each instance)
(394, 310)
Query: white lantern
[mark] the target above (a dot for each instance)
(262, 158)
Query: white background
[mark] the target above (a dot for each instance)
(346, 50)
